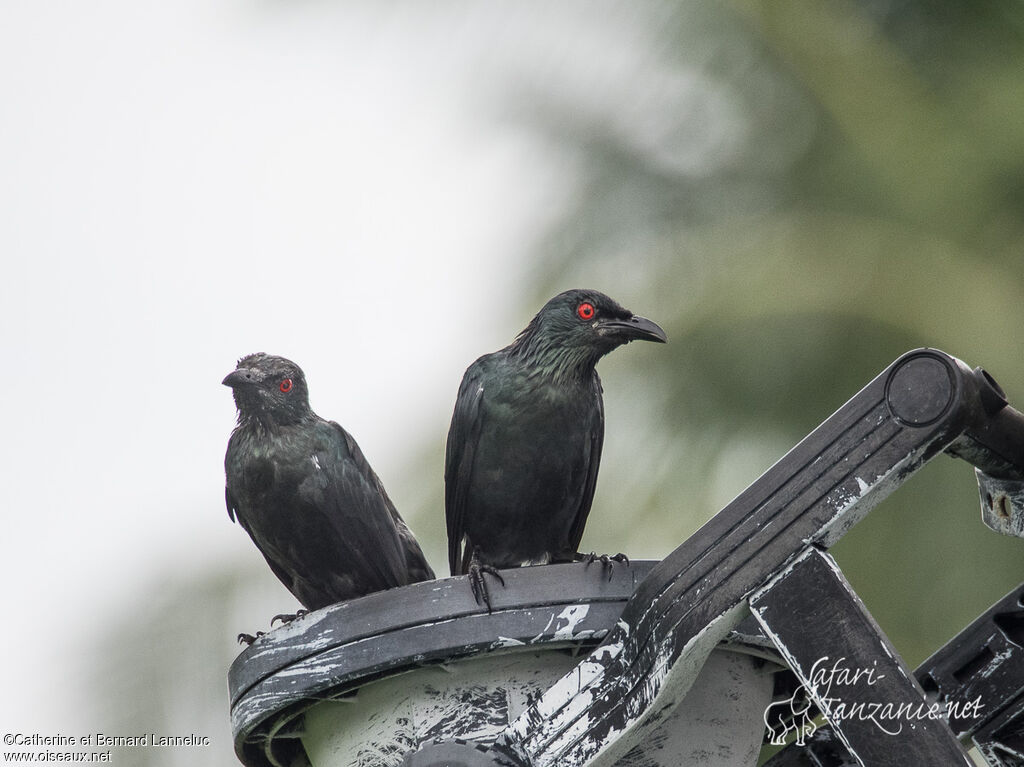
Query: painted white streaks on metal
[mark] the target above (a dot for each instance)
(568, 620)
(481, 695)
(850, 507)
(560, 728)
(571, 685)
(474, 701)
(562, 627)
(506, 642)
(995, 663)
(272, 643)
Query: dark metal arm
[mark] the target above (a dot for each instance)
(924, 403)
(977, 678)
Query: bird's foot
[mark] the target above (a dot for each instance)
(248, 639)
(607, 562)
(478, 584)
(287, 618)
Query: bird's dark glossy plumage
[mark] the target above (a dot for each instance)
(525, 439)
(300, 486)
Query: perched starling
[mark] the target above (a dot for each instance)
(301, 488)
(525, 439)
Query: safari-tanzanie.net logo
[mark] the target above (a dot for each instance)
(843, 693)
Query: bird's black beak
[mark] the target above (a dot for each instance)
(634, 329)
(241, 377)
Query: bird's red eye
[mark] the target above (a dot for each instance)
(586, 311)
(286, 385)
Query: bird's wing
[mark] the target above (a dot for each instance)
(587, 497)
(359, 515)
(415, 561)
(229, 501)
(458, 461)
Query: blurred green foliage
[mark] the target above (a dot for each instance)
(859, 194)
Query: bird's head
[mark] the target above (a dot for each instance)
(578, 327)
(268, 389)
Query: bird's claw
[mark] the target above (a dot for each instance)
(607, 562)
(287, 618)
(248, 639)
(478, 584)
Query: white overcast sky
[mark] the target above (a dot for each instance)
(182, 183)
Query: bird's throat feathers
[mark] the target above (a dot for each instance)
(261, 422)
(544, 354)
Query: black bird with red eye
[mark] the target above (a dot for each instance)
(300, 486)
(525, 439)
